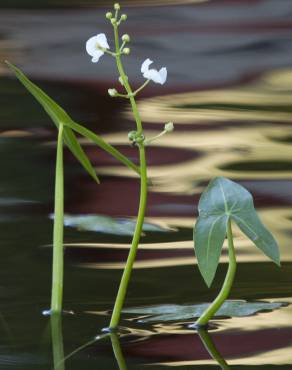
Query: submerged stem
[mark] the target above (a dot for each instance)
(58, 253)
(225, 290)
(143, 196)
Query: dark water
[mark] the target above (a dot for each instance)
(229, 93)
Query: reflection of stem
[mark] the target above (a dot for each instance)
(210, 347)
(225, 290)
(143, 196)
(57, 342)
(118, 352)
(58, 252)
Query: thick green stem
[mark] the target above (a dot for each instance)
(225, 290)
(58, 253)
(143, 197)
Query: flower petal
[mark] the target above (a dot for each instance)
(145, 65)
(102, 40)
(163, 75)
(91, 45)
(153, 74)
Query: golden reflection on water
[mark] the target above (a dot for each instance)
(245, 140)
(255, 328)
(263, 99)
(277, 219)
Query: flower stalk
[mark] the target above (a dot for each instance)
(143, 194)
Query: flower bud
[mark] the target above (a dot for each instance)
(108, 15)
(169, 127)
(113, 21)
(112, 92)
(126, 38)
(117, 6)
(132, 135)
(124, 17)
(126, 51)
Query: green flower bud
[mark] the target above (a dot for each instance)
(117, 6)
(126, 51)
(109, 15)
(169, 127)
(124, 17)
(132, 135)
(112, 92)
(126, 38)
(113, 21)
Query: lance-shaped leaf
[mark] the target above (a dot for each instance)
(224, 199)
(58, 115)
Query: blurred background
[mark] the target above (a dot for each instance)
(229, 94)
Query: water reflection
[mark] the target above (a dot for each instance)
(211, 348)
(57, 342)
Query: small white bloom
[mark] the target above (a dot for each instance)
(95, 45)
(169, 127)
(158, 77)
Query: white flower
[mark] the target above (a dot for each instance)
(158, 77)
(95, 45)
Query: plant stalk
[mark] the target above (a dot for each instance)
(58, 252)
(225, 290)
(115, 319)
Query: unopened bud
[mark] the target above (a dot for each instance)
(132, 135)
(169, 127)
(126, 38)
(126, 51)
(112, 92)
(108, 15)
(124, 17)
(117, 6)
(113, 21)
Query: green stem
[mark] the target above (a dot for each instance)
(212, 350)
(58, 253)
(142, 203)
(118, 352)
(225, 290)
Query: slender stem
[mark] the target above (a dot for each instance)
(143, 198)
(57, 342)
(211, 348)
(118, 352)
(58, 253)
(225, 290)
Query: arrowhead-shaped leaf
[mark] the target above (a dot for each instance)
(58, 115)
(224, 199)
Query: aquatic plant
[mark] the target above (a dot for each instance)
(221, 203)
(67, 128)
(96, 46)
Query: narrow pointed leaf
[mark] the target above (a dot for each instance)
(76, 149)
(221, 200)
(58, 115)
(102, 144)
